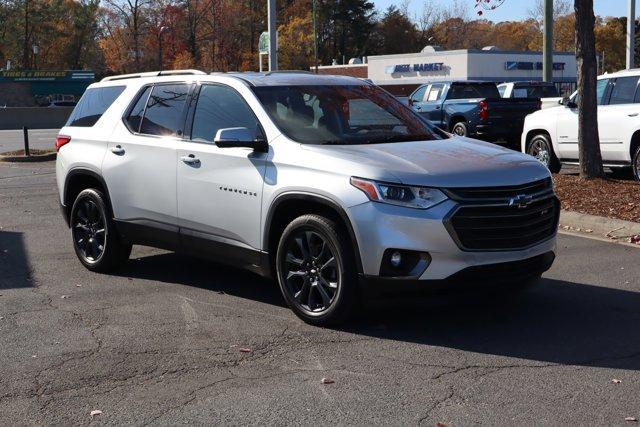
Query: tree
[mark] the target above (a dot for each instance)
(296, 43)
(395, 33)
(588, 140)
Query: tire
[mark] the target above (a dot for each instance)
(460, 129)
(94, 235)
(541, 148)
(635, 160)
(320, 291)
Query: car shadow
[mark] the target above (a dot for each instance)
(15, 269)
(205, 274)
(555, 322)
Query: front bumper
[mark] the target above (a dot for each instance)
(380, 226)
(472, 278)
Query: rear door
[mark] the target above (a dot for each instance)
(432, 105)
(220, 189)
(140, 164)
(615, 118)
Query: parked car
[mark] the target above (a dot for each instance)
(473, 108)
(552, 135)
(327, 184)
(547, 92)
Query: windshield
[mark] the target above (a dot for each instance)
(342, 114)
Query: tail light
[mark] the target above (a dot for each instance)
(539, 104)
(484, 110)
(62, 140)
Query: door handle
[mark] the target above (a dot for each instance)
(117, 150)
(418, 107)
(438, 107)
(632, 115)
(190, 159)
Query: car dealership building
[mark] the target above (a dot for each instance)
(401, 73)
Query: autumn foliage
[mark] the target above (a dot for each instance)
(122, 36)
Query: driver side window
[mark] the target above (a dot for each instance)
(418, 95)
(220, 107)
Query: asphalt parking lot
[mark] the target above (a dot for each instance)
(160, 342)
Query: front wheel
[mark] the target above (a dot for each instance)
(636, 164)
(95, 240)
(315, 271)
(540, 147)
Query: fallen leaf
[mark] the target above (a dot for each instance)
(244, 350)
(588, 230)
(78, 286)
(327, 381)
(616, 381)
(95, 412)
(64, 296)
(631, 419)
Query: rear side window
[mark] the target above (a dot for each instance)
(624, 90)
(135, 116)
(163, 115)
(93, 104)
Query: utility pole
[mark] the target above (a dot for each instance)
(631, 34)
(547, 41)
(273, 36)
(315, 37)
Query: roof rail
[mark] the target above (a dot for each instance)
(153, 74)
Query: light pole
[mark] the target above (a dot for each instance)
(163, 30)
(273, 36)
(547, 42)
(631, 34)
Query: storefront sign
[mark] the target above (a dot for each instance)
(37, 75)
(416, 68)
(516, 65)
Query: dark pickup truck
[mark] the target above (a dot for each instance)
(473, 109)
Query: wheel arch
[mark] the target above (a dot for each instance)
(78, 179)
(538, 131)
(289, 206)
(635, 143)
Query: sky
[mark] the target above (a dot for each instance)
(511, 10)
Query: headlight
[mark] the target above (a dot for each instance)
(398, 194)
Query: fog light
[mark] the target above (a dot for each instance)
(396, 259)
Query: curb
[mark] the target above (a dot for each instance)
(609, 228)
(33, 158)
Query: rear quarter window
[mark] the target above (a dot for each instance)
(93, 104)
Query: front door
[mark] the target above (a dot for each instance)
(432, 105)
(220, 189)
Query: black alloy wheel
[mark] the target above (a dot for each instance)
(315, 270)
(95, 239)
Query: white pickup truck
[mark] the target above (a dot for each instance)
(547, 92)
(551, 135)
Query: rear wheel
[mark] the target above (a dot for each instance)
(95, 240)
(540, 147)
(460, 129)
(315, 271)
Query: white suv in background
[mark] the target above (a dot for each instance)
(551, 135)
(327, 184)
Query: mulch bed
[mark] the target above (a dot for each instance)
(611, 198)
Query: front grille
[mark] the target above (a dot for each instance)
(495, 227)
(485, 194)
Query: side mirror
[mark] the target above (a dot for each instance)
(567, 102)
(240, 137)
(411, 102)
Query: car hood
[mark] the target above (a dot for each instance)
(453, 162)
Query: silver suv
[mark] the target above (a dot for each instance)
(327, 184)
